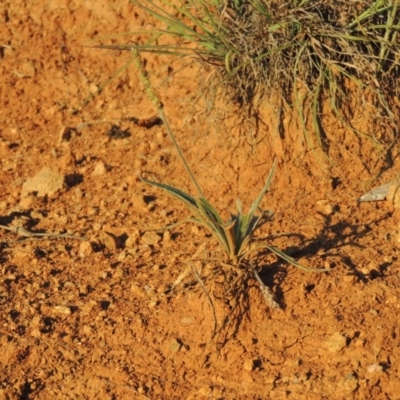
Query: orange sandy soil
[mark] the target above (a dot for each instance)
(91, 320)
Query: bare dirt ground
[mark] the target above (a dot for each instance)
(90, 319)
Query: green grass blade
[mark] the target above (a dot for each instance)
(177, 193)
(209, 210)
(215, 225)
(374, 9)
(205, 214)
(254, 207)
(292, 261)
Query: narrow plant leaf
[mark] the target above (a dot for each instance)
(177, 193)
(231, 241)
(205, 213)
(254, 207)
(211, 220)
(209, 209)
(292, 261)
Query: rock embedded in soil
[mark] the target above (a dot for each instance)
(46, 182)
(248, 365)
(389, 191)
(85, 249)
(62, 310)
(150, 238)
(335, 343)
(174, 345)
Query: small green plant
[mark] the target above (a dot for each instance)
(234, 235)
(301, 52)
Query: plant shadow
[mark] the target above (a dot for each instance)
(330, 239)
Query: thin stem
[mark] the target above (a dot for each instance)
(155, 99)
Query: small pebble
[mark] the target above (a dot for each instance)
(248, 365)
(99, 169)
(62, 310)
(373, 368)
(325, 207)
(335, 342)
(85, 249)
(150, 238)
(133, 238)
(174, 345)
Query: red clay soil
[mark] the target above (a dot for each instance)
(94, 319)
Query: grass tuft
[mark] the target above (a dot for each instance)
(302, 51)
